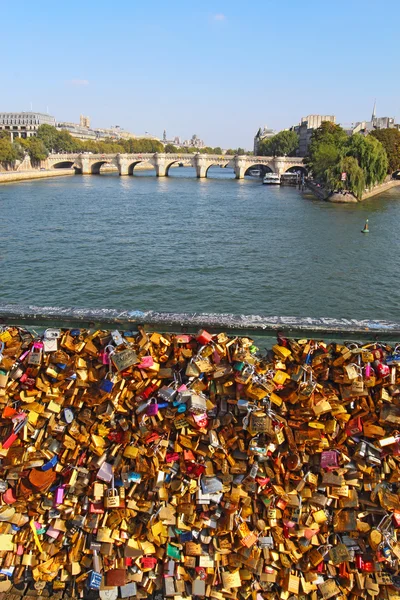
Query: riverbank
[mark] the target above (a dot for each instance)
(346, 198)
(13, 177)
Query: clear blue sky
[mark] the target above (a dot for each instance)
(216, 68)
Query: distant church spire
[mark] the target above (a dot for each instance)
(374, 112)
(165, 136)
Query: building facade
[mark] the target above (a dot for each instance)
(305, 130)
(262, 134)
(24, 124)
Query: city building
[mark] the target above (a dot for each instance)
(84, 121)
(83, 131)
(366, 127)
(194, 141)
(305, 129)
(77, 131)
(24, 124)
(262, 134)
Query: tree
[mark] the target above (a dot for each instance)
(328, 133)
(171, 149)
(325, 156)
(8, 152)
(390, 140)
(371, 157)
(355, 179)
(49, 136)
(217, 150)
(36, 149)
(283, 143)
(326, 149)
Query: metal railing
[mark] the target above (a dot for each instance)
(246, 325)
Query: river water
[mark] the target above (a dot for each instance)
(183, 244)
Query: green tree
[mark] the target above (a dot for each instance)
(355, 178)
(325, 156)
(283, 143)
(326, 149)
(36, 149)
(217, 150)
(8, 152)
(328, 133)
(170, 149)
(371, 157)
(390, 140)
(49, 136)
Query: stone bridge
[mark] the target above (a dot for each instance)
(90, 164)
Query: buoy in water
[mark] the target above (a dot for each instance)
(365, 230)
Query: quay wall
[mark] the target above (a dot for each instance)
(323, 194)
(14, 176)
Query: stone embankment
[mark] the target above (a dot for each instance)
(14, 176)
(346, 198)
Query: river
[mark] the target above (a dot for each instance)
(183, 244)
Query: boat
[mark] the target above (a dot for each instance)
(255, 172)
(272, 179)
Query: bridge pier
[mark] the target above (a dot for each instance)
(86, 166)
(122, 164)
(201, 166)
(159, 165)
(240, 166)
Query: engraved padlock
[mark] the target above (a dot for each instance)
(112, 498)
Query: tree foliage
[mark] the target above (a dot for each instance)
(283, 143)
(355, 179)
(332, 152)
(371, 157)
(390, 140)
(8, 151)
(170, 149)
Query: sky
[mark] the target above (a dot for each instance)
(219, 69)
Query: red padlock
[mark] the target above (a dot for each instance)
(203, 337)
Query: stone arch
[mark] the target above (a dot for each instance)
(263, 168)
(64, 164)
(396, 174)
(214, 164)
(95, 167)
(295, 168)
(186, 163)
(67, 164)
(133, 164)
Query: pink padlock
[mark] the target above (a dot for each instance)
(53, 533)
(59, 497)
(329, 458)
(146, 362)
(152, 410)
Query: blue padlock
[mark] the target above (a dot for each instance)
(50, 464)
(106, 386)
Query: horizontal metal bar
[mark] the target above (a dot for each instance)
(248, 325)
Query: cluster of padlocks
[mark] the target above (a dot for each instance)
(137, 464)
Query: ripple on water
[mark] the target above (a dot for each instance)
(183, 244)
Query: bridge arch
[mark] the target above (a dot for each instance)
(147, 163)
(218, 164)
(180, 161)
(66, 164)
(261, 167)
(264, 168)
(396, 174)
(95, 167)
(297, 168)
